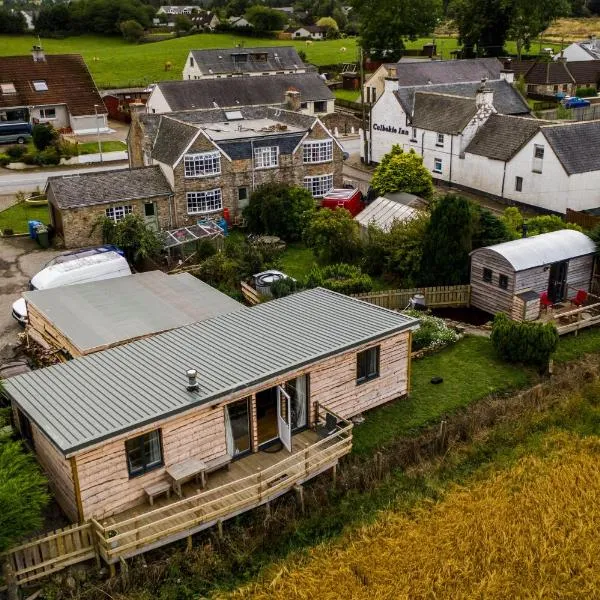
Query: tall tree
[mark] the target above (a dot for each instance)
(265, 19)
(385, 24)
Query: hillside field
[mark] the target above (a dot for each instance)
(115, 63)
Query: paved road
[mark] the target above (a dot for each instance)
(28, 181)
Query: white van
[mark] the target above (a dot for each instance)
(80, 270)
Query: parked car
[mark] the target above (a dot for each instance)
(15, 132)
(88, 266)
(575, 102)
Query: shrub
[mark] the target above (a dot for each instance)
(433, 332)
(16, 152)
(49, 156)
(341, 277)
(585, 92)
(43, 135)
(220, 271)
(285, 287)
(527, 343)
(334, 235)
(30, 158)
(4, 160)
(205, 249)
(131, 30)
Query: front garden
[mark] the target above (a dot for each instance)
(14, 220)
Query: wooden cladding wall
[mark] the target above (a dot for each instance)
(104, 481)
(488, 295)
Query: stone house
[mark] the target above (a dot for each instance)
(78, 202)
(549, 78)
(214, 159)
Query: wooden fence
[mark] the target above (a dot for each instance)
(582, 219)
(50, 553)
(435, 297)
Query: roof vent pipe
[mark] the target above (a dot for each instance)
(192, 375)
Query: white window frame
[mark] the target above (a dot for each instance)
(40, 85)
(266, 157)
(318, 185)
(206, 201)
(202, 164)
(118, 213)
(318, 151)
(48, 114)
(440, 139)
(540, 148)
(435, 162)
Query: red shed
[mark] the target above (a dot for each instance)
(351, 200)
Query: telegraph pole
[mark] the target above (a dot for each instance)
(364, 112)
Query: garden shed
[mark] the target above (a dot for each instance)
(514, 276)
(385, 210)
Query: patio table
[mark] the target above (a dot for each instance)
(185, 471)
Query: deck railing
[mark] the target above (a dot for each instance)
(183, 517)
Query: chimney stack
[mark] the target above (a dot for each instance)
(292, 99)
(390, 84)
(507, 72)
(38, 54)
(192, 375)
(485, 95)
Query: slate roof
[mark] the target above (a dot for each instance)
(576, 145)
(89, 189)
(507, 100)
(221, 60)
(172, 138)
(442, 113)
(66, 75)
(447, 71)
(242, 91)
(501, 136)
(557, 72)
(99, 396)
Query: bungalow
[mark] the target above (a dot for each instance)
(54, 88)
(585, 50)
(511, 277)
(312, 32)
(315, 97)
(239, 22)
(246, 390)
(214, 63)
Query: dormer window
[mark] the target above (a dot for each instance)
(40, 85)
(8, 88)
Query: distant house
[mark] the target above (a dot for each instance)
(118, 101)
(230, 62)
(53, 88)
(204, 19)
(549, 78)
(177, 10)
(240, 22)
(310, 90)
(313, 32)
(78, 202)
(510, 277)
(78, 320)
(586, 50)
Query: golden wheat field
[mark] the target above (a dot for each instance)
(530, 531)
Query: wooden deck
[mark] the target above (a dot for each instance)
(250, 482)
(569, 318)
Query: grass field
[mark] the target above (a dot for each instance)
(107, 146)
(16, 217)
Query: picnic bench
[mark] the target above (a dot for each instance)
(220, 462)
(156, 489)
(180, 473)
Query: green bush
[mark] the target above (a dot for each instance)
(341, 277)
(285, 287)
(16, 152)
(30, 158)
(333, 236)
(4, 160)
(49, 156)
(43, 135)
(527, 343)
(585, 92)
(433, 332)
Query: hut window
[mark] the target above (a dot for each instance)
(503, 281)
(367, 365)
(487, 275)
(144, 453)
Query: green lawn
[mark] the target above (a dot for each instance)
(470, 371)
(108, 146)
(16, 217)
(572, 347)
(297, 261)
(350, 95)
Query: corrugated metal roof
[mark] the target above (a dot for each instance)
(99, 396)
(99, 314)
(383, 212)
(544, 249)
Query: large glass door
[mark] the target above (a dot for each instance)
(237, 427)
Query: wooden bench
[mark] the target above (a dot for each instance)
(162, 487)
(218, 463)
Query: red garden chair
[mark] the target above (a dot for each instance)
(580, 298)
(545, 301)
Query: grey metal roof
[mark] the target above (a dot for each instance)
(99, 396)
(88, 189)
(222, 60)
(544, 249)
(442, 113)
(383, 212)
(501, 137)
(99, 314)
(242, 91)
(507, 100)
(447, 71)
(576, 145)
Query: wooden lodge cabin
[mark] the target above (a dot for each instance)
(512, 277)
(251, 403)
(76, 320)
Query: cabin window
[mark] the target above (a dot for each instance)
(503, 281)
(144, 453)
(518, 184)
(487, 275)
(440, 139)
(367, 365)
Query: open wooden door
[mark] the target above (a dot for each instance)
(284, 421)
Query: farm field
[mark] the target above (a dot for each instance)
(115, 63)
(519, 532)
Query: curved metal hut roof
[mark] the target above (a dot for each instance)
(544, 249)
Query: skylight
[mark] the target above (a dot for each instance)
(8, 88)
(233, 115)
(40, 86)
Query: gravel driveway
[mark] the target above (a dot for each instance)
(20, 259)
